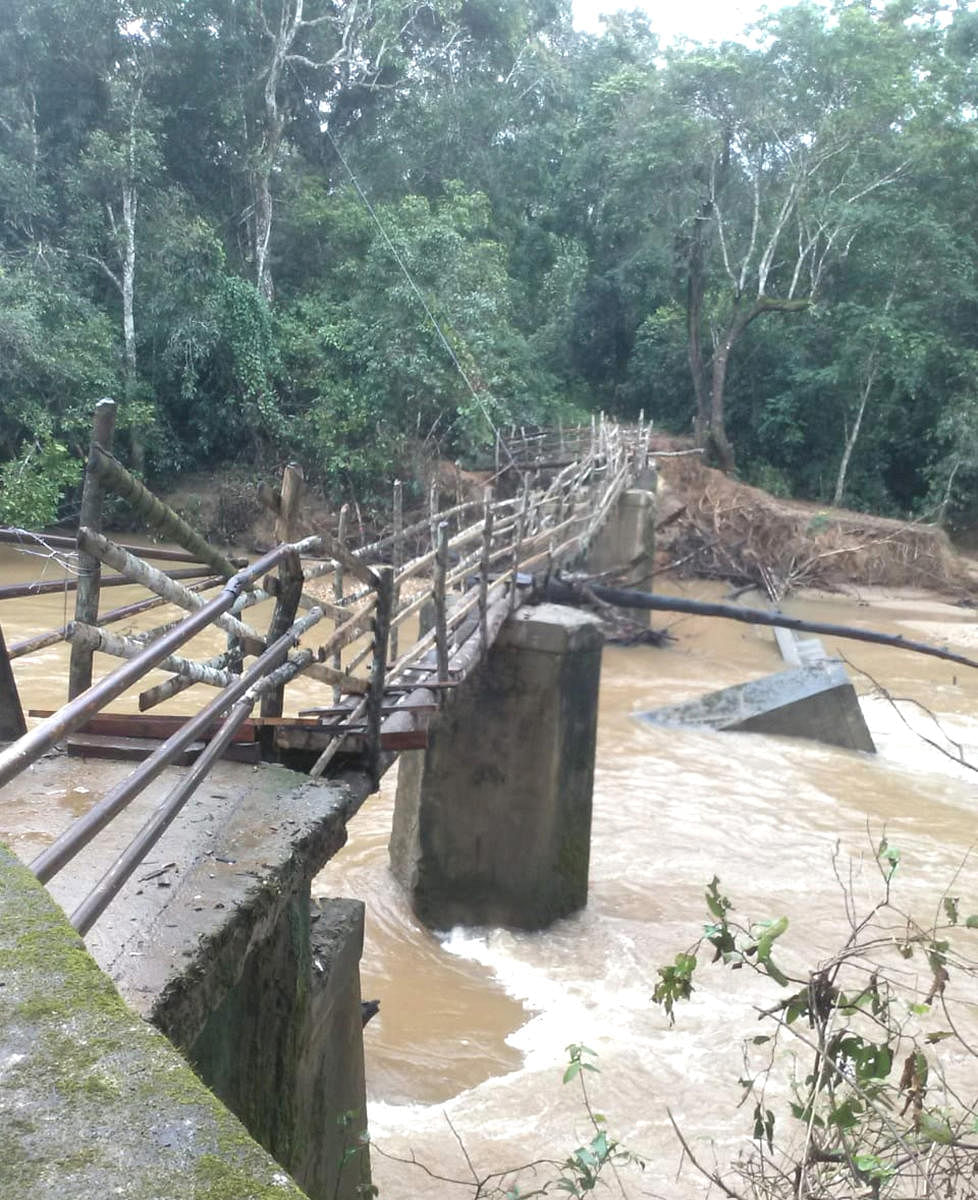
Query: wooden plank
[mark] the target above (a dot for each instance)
(145, 725)
(124, 749)
(137, 749)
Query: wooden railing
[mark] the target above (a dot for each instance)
(470, 566)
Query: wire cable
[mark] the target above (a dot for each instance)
(417, 292)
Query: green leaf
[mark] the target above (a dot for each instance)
(971, 922)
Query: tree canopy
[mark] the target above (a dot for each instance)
(343, 230)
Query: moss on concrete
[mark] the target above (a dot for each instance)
(93, 1102)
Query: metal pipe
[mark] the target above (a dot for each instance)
(76, 712)
(78, 835)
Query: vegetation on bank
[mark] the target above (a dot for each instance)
(325, 232)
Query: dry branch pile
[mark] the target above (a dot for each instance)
(726, 530)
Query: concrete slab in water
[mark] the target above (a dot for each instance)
(816, 701)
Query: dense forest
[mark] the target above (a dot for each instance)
(335, 231)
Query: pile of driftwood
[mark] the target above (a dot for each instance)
(716, 528)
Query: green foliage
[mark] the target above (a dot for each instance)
(32, 485)
(873, 1104)
(570, 209)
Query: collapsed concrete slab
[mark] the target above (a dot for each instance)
(816, 701)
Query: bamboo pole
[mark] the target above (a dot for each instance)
(484, 574)
(338, 588)
(230, 660)
(92, 639)
(113, 474)
(89, 567)
(518, 543)
(378, 672)
(51, 587)
(137, 571)
(397, 559)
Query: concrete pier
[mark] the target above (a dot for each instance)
(626, 542)
(492, 822)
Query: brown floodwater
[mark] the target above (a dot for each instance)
(474, 1024)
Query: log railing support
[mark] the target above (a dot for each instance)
(378, 673)
(89, 567)
(12, 723)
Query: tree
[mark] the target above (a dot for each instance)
(793, 141)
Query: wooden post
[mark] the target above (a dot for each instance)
(289, 586)
(289, 592)
(142, 501)
(433, 512)
(397, 559)
(441, 616)
(518, 544)
(484, 567)
(378, 673)
(89, 567)
(338, 589)
(12, 723)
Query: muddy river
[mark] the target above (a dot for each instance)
(474, 1024)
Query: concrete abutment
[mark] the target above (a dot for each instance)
(492, 823)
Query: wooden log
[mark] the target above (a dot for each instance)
(163, 585)
(12, 723)
(562, 591)
(122, 647)
(378, 672)
(338, 587)
(438, 596)
(484, 567)
(147, 725)
(114, 475)
(229, 660)
(339, 681)
(89, 567)
(289, 576)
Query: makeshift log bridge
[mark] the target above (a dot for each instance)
(468, 570)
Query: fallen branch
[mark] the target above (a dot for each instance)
(564, 591)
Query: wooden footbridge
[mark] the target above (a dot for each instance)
(341, 617)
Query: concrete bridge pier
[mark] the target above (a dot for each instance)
(492, 823)
(626, 541)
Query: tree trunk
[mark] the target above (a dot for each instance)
(718, 445)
